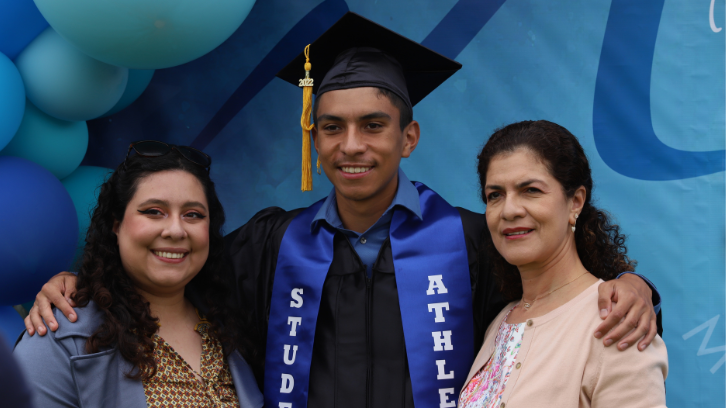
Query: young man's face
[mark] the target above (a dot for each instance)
(360, 142)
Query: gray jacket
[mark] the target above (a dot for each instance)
(62, 374)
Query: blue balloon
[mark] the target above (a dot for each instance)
(12, 100)
(66, 83)
(55, 144)
(39, 229)
(143, 34)
(83, 187)
(20, 23)
(138, 81)
(11, 325)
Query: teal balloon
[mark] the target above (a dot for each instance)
(138, 81)
(83, 187)
(12, 100)
(55, 144)
(143, 34)
(66, 83)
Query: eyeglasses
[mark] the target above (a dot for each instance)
(154, 148)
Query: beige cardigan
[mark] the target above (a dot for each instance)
(561, 364)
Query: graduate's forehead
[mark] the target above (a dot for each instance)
(354, 104)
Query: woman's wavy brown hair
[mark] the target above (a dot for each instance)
(128, 323)
(600, 245)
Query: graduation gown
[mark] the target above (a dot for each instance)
(359, 355)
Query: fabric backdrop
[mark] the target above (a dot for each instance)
(640, 83)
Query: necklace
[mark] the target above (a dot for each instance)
(527, 305)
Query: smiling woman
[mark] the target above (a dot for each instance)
(143, 336)
(550, 250)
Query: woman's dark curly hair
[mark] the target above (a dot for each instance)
(128, 323)
(600, 245)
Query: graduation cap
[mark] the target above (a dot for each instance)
(354, 53)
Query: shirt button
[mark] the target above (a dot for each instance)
(530, 322)
(363, 240)
(518, 365)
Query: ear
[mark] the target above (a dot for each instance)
(411, 134)
(116, 225)
(576, 203)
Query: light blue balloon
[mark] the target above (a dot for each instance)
(83, 187)
(55, 144)
(138, 81)
(143, 34)
(12, 100)
(66, 83)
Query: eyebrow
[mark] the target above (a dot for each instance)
(375, 115)
(331, 118)
(188, 204)
(518, 185)
(369, 116)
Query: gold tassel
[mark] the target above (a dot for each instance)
(307, 85)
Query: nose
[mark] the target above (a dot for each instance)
(352, 143)
(512, 208)
(174, 229)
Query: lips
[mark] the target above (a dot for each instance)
(172, 255)
(515, 233)
(355, 169)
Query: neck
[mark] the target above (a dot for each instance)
(541, 278)
(359, 215)
(169, 308)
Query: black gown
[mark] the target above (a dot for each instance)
(359, 356)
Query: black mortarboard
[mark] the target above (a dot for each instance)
(354, 53)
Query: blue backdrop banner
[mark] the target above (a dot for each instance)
(640, 83)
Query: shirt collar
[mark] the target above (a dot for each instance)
(406, 197)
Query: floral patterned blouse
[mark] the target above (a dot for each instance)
(175, 384)
(486, 387)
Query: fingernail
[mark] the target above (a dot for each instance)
(623, 346)
(641, 347)
(40, 329)
(608, 342)
(598, 335)
(603, 313)
(72, 316)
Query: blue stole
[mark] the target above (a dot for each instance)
(434, 291)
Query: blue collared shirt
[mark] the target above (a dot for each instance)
(369, 243)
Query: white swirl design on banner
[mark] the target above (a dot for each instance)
(710, 19)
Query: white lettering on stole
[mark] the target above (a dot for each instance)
(294, 321)
(297, 299)
(443, 375)
(442, 342)
(288, 383)
(444, 398)
(438, 307)
(289, 360)
(435, 282)
(285, 405)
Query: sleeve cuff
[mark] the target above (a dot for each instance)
(656, 295)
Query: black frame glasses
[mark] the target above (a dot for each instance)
(155, 148)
